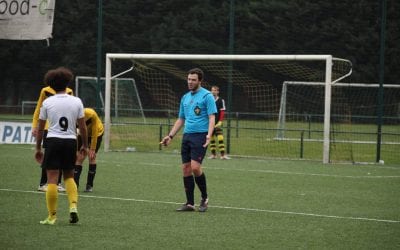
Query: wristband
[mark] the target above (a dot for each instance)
(170, 136)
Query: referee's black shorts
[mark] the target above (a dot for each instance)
(192, 147)
(60, 153)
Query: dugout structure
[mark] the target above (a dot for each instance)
(259, 78)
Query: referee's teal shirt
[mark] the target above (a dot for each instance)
(195, 109)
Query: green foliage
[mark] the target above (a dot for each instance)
(348, 29)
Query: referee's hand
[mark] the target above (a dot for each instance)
(208, 139)
(166, 141)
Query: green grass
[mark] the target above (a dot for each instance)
(254, 204)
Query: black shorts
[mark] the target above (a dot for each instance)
(98, 144)
(192, 147)
(59, 154)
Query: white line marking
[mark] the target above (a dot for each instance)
(283, 172)
(298, 173)
(222, 207)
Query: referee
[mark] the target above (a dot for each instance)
(197, 115)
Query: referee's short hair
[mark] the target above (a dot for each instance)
(198, 72)
(59, 78)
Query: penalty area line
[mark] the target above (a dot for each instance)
(221, 207)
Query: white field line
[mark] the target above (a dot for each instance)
(282, 172)
(309, 174)
(223, 207)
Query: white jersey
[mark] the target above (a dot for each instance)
(62, 111)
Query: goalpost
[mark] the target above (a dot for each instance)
(239, 74)
(125, 97)
(354, 113)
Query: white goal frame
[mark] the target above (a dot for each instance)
(282, 109)
(328, 80)
(93, 78)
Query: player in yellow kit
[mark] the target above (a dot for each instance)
(95, 134)
(44, 93)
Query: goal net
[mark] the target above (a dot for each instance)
(125, 103)
(354, 108)
(250, 84)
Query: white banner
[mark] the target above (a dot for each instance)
(16, 133)
(26, 19)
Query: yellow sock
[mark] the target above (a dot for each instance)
(72, 192)
(51, 200)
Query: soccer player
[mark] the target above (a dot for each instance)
(63, 112)
(197, 115)
(95, 132)
(44, 93)
(219, 117)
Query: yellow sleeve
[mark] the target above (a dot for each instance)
(95, 126)
(70, 91)
(35, 119)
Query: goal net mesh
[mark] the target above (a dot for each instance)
(354, 112)
(252, 91)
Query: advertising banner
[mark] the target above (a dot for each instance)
(26, 19)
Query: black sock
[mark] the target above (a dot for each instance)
(202, 184)
(77, 174)
(59, 177)
(43, 177)
(91, 174)
(188, 182)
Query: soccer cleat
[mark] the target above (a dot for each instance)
(60, 188)
(48, 221)
(212, 157)
(88, 189)
(73, 215)
(203, 205)
(42, 188)
(186, 208)
(225, 157)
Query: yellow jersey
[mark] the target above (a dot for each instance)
(94, 126)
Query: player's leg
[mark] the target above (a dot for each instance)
(92, 167)
(78, 163)
(188, 180)
(43, 175)
(59, 184)
(51, 162)
(221, 145)
(43, 180)
(72, 193)
(69, 160)
(197, 155)
(51, 197)
(200, 179)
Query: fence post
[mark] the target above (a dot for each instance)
(302, 144)
(237, 124)
(160, 137)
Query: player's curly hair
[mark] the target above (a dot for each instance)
(198, 72)
(59, 78)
